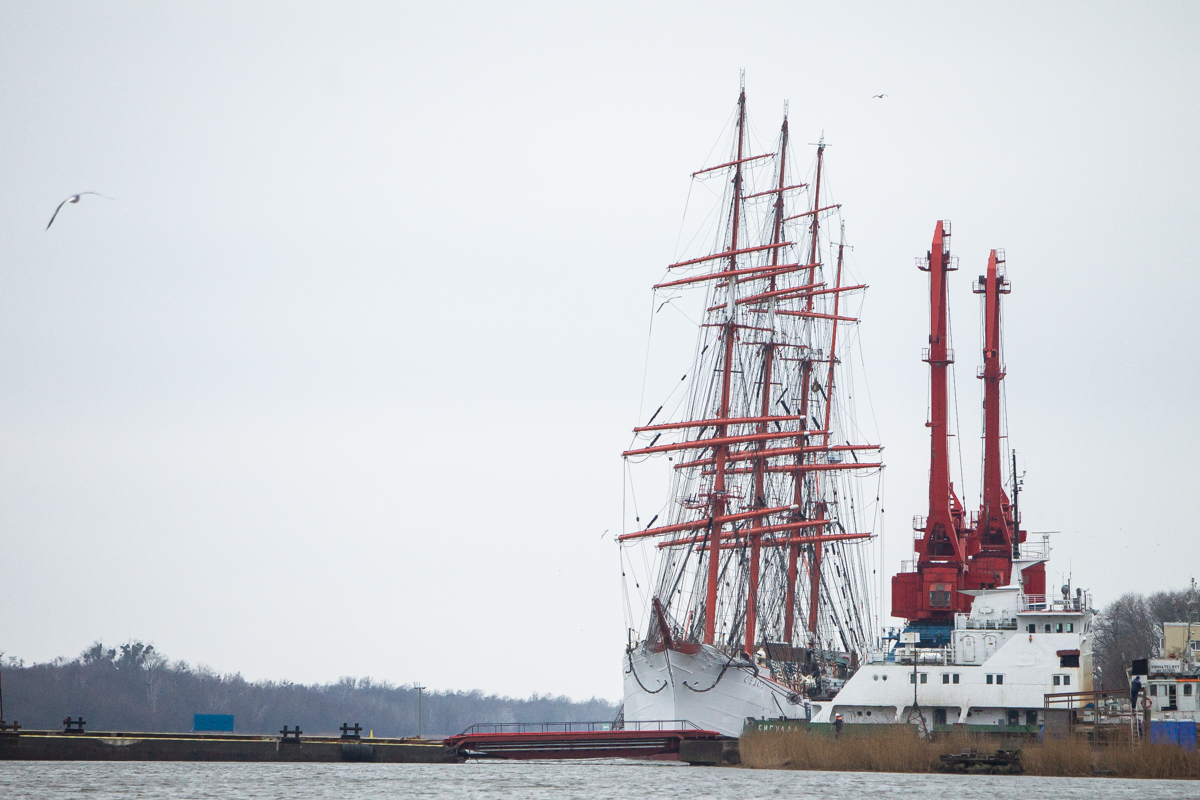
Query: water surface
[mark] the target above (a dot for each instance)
(593, 780)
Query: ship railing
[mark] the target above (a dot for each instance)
(1065, 604)
(926, 355)
(925, 655)
(1003, 624)
(908, 566)
(1034, 602)
(1035, 549)
(1104, 709)
(919, 521)
(582, 727)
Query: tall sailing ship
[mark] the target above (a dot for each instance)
(754, 584)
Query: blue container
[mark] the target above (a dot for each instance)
(215, 722)
(1173, 731)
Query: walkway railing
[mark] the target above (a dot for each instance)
(580, 727)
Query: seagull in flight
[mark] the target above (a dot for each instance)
(878, 96)
(72, 199)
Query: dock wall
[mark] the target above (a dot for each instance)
(124, 746)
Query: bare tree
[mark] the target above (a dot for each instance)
(1131, 627)
(1125, 630)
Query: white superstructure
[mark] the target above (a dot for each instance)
(999, 662)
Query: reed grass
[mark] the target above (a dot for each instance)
(902, 750)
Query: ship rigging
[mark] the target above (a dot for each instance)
(761, 554)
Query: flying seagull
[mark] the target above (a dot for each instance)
(72, 199)
(878, 96)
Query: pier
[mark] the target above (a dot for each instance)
(668, 740)
(293, 746)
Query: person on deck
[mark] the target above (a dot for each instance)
(837, 726)
(1135, 689)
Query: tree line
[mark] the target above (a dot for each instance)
(135, 688)
(1131, 627)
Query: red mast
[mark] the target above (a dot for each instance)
(765, 394)
(815, 587)
(932, 592)
(806, 380)
(729, 333)
(990, 544)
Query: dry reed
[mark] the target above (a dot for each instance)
(902, 751)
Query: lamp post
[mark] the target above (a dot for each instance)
(419, 690)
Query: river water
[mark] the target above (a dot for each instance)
(593, 780)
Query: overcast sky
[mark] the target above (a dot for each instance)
(338, 383)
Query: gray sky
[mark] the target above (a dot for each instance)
(339, 382)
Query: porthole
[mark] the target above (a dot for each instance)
(876, 677)
(868, 713)
(885, 677)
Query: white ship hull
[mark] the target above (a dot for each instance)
(704, 688)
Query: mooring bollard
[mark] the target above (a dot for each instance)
(291, 735)
(73, 726)
(351, 733)
(9, 727)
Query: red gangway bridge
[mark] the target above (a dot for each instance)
(522, 740)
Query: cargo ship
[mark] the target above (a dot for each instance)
(984, 642)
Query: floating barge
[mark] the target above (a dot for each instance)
(41, 745)
(668, 740)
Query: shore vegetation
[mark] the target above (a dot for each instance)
(902, 750)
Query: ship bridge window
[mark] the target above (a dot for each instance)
(993, 678)
(1047, 627)
(955, 676)
(1058, 628)
(1070, 627)
(1057, 680)
(1154, 690)
(1187, 690)
(1032, 628)
(1071, 660)
(945, 677)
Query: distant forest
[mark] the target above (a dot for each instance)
(135, 688)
